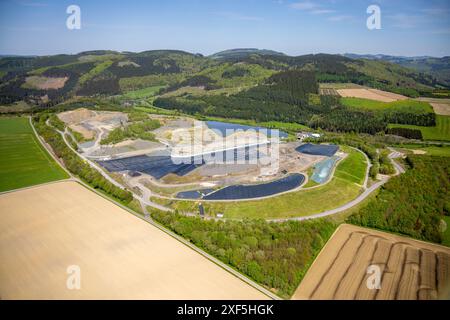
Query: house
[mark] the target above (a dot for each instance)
(304, 134)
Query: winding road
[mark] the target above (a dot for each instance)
(145, 201)
(142, 200)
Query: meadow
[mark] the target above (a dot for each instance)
(24, 162)
(143, 93)
(440, 132)
(400, 105)
(440, 151)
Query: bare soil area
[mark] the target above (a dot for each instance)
(45, 83)
(372, 94)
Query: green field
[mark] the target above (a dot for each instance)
(24, 162)
(400, 105)
(340, 190)
(440, 132)
(143, 93)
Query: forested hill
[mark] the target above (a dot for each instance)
(52, 79)
(437, 67)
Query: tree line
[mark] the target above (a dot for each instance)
(276, 255)
(412, 203)
(74, 164)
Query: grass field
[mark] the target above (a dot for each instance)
(440, 132)
(341, 189)
(24, 162)
(441, 151)
(400, 105)
(143, 93)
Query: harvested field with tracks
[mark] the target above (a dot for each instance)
(328, 92)
(48, 228)
(410, 269)
(372, 94)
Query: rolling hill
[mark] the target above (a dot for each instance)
(250, 84)
(437, 67)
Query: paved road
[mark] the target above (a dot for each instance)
(346, 206)
(157, 225)
(394, 154)
(145, 198)
(144, 201)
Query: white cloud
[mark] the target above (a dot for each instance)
(304, 5)
(340, 18)
(310, 7)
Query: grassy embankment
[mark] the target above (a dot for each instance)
(343, 187)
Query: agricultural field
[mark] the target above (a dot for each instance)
(24, 162)
(120, 255)
(440, 106)
(440, 132)
(342, 188)
(440, 151)
(337, 86)
(400, 105)
(371, 94)
(410, 269)
(143, 93)
(17, 107)
(328, 92)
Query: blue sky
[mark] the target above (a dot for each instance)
(414, 27)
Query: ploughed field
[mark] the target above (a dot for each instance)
(119, 255)
(409, 269)
(372, 94)
(24, 162)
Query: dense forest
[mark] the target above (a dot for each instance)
(276, 255)
(287, 96)
(412, 203)
(282, 97)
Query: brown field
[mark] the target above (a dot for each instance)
(45, 229)
(45, 83)
(372, 94)
(410, 269)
